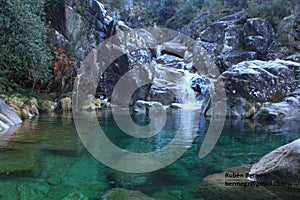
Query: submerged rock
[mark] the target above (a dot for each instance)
(75, 196)
(122, 194)
(24, 188)
(16, 162)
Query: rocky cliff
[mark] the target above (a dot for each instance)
(256, 56)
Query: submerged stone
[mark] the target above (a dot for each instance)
(16, 161)
(75, 196)
(123, 194)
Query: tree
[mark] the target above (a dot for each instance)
(24, 53)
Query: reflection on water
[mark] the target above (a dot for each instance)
(44, 158)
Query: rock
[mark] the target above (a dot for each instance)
(24, 188)
(288, 31)
(240, 108)
(259, 35)
(293, 101)
(91, 103)
(281, 165)
(262, 81)
(219, 186)
(75, 196)
(294, 58)
(59, 41)
(33, 106)
(122, 194)
(228, 60)
(16, 162)
(140, 106)
(172, 86)
(176, 105)
(66, 104)
(47, 106)
(25, 113)
(145, 106)
(171, 61)
(175, 48)
(277, 111)
(8, 117)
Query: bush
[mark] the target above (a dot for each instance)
(24, 53)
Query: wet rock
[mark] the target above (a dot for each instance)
(281, 165)
(171, 86)
(25, 113)
(122, 194)
(145, 106)
(91, 103)
(140, 106)
(171, 61)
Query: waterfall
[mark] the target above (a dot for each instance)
(190, 88)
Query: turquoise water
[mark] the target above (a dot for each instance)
(45, 159)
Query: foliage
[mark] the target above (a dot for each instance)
(24, 53)
(276, 10)
(64, 71)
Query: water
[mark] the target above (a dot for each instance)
(45, 159)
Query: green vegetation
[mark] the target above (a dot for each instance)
(24, 50)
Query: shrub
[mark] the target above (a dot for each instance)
(24, 53)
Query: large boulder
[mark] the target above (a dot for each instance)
(262, 81)
(288, 109)
(232, 184)
(8, 117)
(281, 165)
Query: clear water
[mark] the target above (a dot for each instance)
(45, 159)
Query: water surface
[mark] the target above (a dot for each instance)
(45, 158)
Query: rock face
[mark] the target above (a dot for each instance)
(281, 165)
(72, 33)
(265, 90)
(8, 117)
(235, 38)
(262, 81)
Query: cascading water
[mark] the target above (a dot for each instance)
(190, 88)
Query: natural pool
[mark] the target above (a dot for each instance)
(44, 158)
